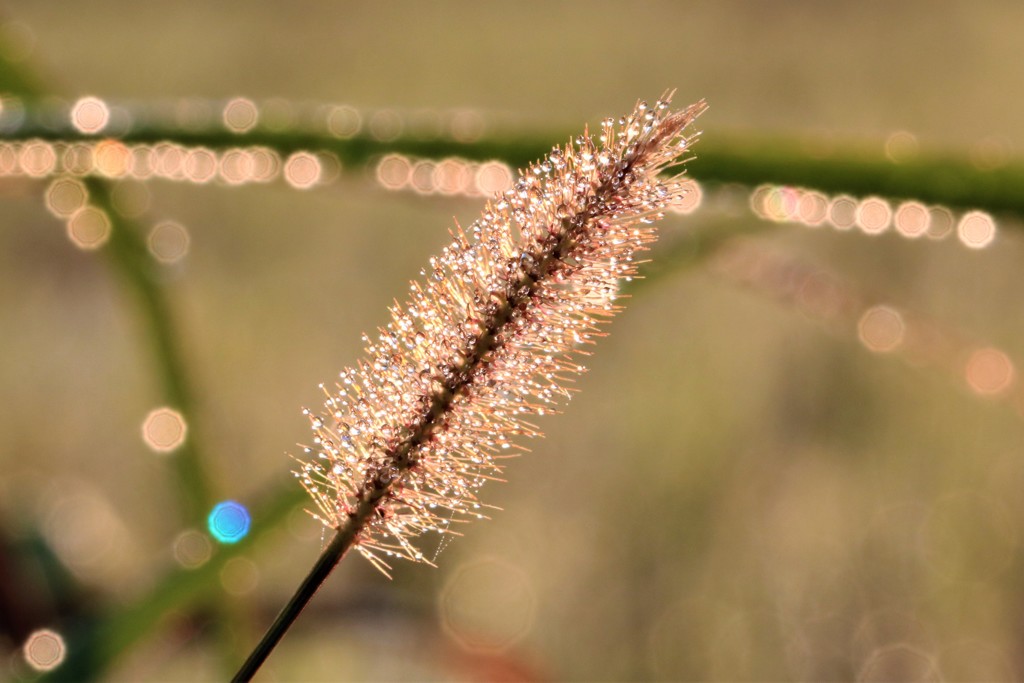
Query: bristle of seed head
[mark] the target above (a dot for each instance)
(489, 337)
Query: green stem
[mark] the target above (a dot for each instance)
(326, 563)
(949, 179)
(130, 258)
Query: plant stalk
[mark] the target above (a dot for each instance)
(325, 564)
(949, 179)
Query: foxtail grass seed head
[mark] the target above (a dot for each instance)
(490, 336)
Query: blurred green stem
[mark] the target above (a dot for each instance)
(131, 260)
(129, 257)
(951, 180)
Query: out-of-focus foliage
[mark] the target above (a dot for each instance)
(750, 484)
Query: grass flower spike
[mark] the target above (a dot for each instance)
(487, 340)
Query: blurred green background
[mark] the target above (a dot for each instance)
(738, 492)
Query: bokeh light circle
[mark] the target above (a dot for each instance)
(89, 228)
(901, 146)
(422, 177)
(989, 372)
(229, 522)
(842, 211)
(37, 158)
(240, 115)
(690, 199)
(344, 121)
(164, 430)
(200, 165)
(393, 171)
(881, 329)
(912, 219)
(812, 209)
(90, 115)
(940, 222)
(452, 176)
(780, 203)
(77, 159)
(44, 650)
(976, 230)
(65, 196)
(873, 215)
(488, 605)
(168, 242)
(192, 549)
(112, 158)
(266, 164)
(494, 177)
(302, 170)
(237, 166)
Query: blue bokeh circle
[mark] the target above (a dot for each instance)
(229, 522)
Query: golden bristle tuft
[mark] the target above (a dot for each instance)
(489, 336)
